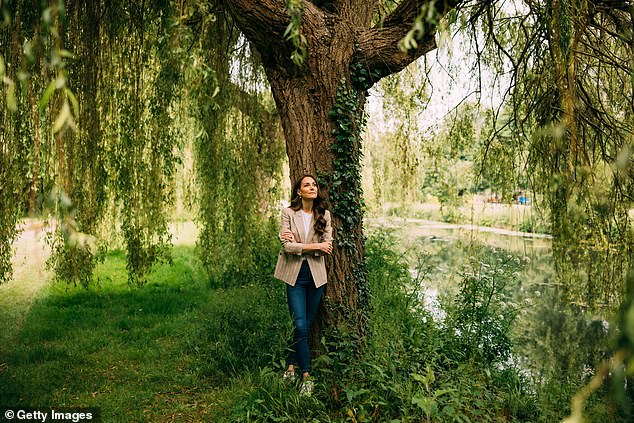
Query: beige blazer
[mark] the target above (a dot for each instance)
(289, 261)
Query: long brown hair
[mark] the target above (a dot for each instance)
(319, 204)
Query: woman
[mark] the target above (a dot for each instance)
(306, 236)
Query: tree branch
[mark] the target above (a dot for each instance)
(379, 52)
(378, 48)
(259, 20)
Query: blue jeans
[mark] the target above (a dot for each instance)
(303, 299)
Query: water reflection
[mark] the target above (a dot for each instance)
(557, 344)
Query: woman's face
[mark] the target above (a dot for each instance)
(308, 188)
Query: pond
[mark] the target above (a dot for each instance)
(552, 339)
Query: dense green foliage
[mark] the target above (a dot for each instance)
(107, 103)
(238, 153)
(345, 182)
(93, 140)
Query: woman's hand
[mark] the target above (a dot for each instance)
(288, 236)
(326, 247)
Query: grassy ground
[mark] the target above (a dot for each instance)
(30, 276)
(139, 355)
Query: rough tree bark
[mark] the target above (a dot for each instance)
(339, 34)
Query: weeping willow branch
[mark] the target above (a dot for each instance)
(572, 100)
(238, 156)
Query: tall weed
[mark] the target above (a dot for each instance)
(482, 313)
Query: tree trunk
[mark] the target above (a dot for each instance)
(304, 101)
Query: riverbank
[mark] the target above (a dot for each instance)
(475, 211)
(424, 224)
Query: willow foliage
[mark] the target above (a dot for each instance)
(239, 144)
(393, 152)
(146, 74)
(92, 93)
(571, 113)
(80, 175)
(30, 48)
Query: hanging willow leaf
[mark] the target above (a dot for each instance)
(63, 118)
(47, 94)
(12, 103)
(73, 101)
(60, 81)
(67, 54)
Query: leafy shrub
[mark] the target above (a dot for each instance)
(254, 263)
(482, 314)
(534, 224)
(410, 368)
(241, 329)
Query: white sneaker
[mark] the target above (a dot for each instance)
(289, 376)
(306, 388)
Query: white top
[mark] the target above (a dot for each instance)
(308, 217)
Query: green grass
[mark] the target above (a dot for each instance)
(29, 276)
(168, 350)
